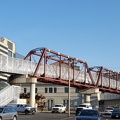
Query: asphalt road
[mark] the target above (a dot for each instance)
(52, 116)
(46, 116)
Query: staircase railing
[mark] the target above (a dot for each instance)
(8, 94)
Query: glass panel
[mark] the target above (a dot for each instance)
(50, 90)
(10, 45)
(66, 89)
(55, 90)
(46, 90)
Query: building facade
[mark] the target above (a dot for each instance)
(55, 94)
(7, 47)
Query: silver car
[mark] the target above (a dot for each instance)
(8, 113)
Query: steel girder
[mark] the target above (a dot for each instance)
(97, 76)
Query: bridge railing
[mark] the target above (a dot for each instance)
(15, 65)
(8, 94)
(52, 71)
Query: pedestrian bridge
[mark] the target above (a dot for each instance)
(50, 66)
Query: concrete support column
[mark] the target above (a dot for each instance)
(87, 98)
(92, 95)
(32, 94)
(95, 98)
(32, 82)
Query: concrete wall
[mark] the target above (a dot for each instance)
(109, 96)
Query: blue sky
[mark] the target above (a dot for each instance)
(85, 29)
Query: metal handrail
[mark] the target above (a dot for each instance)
(8, 94)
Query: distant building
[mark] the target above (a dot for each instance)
(7, 47)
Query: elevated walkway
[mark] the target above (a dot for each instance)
(62, 69)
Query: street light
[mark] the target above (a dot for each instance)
(68, 88)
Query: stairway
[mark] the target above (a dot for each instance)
(8, 93)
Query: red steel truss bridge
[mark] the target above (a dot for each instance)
(50, 66)
(54, 67)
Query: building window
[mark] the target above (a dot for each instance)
(25, 90)
(66, 89)
(9, 53)
(10, 45)
(14, 55)
(46, 90)
(4, 52)
(3, 47)
(50, 90)
(55, 90)
(35, 90)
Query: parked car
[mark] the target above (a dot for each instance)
(23, 108)
(89, 114)
(8, 113)
(108, 110)
(60, 108)
(115, 113)
(82, 106)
